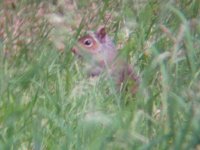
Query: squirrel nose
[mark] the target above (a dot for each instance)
(74, 50)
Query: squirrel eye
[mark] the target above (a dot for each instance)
(88, 42)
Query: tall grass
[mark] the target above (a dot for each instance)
(46, 102)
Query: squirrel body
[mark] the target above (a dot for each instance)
(101, 55)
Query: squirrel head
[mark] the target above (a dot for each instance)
(96, 46)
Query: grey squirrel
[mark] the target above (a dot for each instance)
(99, 51)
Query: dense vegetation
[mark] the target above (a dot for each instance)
(46, 102)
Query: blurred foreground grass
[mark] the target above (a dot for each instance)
(47, 103)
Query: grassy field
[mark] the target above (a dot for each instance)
(46, 102)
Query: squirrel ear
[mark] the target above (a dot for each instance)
(101, 34)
